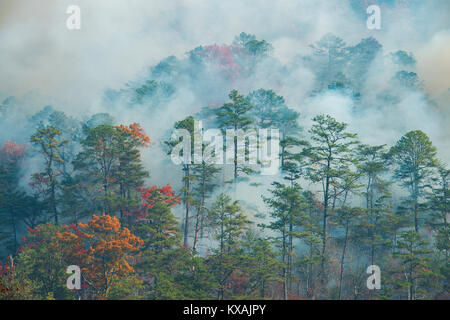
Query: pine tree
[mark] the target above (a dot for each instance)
(161, 252)
(329, 58)
(188, 178)
(129, 171)
(235, 115)
(260, 266)
(49, 145)
(372, 166)
(12, 204)
(266, 106)
(311, 235)
(287, 211)
(228, 221)
(414, 257)
(329, 157)
(439, 205)
(270, 111)
(414, 157)
(109, 168)
(204, 185)
(346, 218)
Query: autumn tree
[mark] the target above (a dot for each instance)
(103, 249)
(163, 256)
(154, 222)
(130, 171)
(12, 285)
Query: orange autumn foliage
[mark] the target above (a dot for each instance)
(12, 286)
(10, 154)
(136, 132)
(153, 195)
(102, 249)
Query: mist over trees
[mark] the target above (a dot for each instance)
(78, 190)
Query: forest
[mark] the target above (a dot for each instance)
(360, 182)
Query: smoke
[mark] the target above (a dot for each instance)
(41, 62)
(117, 40)
(434, 63)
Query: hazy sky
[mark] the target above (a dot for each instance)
(119, 38)
(40, 58)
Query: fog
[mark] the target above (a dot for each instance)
(43, 63)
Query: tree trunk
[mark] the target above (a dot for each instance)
(197, 230)
(235, 155)
(284, 266)
(186, 219)
(341, 276)
(324, 230)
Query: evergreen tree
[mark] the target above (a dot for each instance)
(329, 58)
(439, 205)
(12, 204)
(260, 267)
(188, 178)
(204, 185)
(129, 171)
(228, 221)
(270, 111)
(414, 157)
(97, 162)
(42, 262)
(329, 158)
(373, 166)
(287, 211)
(49, 145)
(235, 115)
(311, 235)
(161, 252)
(414, 267)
